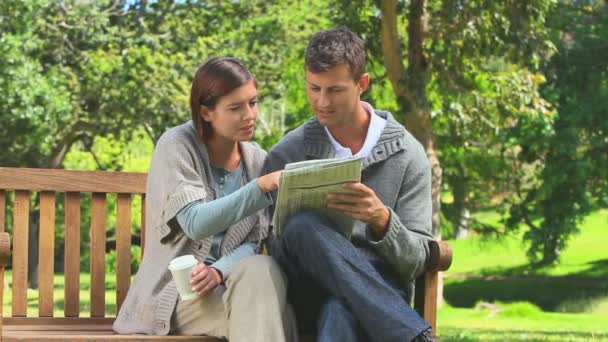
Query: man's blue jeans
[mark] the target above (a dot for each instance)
(336, 287)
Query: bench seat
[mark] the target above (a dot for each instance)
(76, 329)
(34, 193)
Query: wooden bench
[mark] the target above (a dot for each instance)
(98, 327)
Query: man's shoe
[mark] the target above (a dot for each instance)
(426, 336)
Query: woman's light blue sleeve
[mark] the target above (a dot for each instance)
(227, 263)
(200, 219)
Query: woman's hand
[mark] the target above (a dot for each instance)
(203, 279)
(270, 181)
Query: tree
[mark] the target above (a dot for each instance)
(74, 73)
(448, 44)
(575, 153)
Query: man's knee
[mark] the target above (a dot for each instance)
(299, 224)
(305, 227)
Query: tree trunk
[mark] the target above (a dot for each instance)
(551, 249)
(461, 204)
(409, 86)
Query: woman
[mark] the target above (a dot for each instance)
(203, 198)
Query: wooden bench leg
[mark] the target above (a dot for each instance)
(426, 297)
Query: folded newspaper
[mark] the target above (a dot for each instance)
(305, 185)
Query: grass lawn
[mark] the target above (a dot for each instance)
(494, 295)
(58, 296)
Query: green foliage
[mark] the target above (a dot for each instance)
(111, 260)
(575, 154)
(517, 91)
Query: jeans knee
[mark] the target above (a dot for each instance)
(298, 225)
(305, 228)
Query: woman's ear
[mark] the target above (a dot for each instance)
(205, 113)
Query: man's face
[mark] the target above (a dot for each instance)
(334, 95)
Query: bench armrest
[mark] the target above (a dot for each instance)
(425, 298)
(440, 256)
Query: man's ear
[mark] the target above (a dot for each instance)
(205, 113)
(363, 83)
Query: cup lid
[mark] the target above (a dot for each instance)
(182, 262)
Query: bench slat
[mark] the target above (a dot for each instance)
(2, 209)
(143, 224)
(16, 322)
(72, 254)
(83, 336)
(78, 329)
(20, 239)
(98, 255)
(46, 264)
(71, 180)
(123, 248)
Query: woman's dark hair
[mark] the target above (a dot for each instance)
(217, 77)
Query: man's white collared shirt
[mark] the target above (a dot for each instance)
(376, 126)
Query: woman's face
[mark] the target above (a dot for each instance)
(235, 114)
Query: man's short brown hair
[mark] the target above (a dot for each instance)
(330, 48)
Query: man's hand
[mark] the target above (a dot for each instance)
(361, 203)
(203, 279)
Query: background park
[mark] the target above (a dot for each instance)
(509, 98)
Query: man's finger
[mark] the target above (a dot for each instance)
(344, 197)
(359, 187)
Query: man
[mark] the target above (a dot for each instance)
(355, 289)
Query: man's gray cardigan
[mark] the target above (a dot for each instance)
(398, 170)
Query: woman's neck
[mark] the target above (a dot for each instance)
(223, 153)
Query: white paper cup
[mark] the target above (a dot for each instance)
(180, 268)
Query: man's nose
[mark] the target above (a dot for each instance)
(323, 100)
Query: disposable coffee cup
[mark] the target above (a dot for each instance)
(180, 268)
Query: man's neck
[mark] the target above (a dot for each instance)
(352, 134)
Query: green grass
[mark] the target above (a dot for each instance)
(584, 256)
(58, 296)
(563, 302)
(518, 322)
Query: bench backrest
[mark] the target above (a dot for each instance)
(48, 184)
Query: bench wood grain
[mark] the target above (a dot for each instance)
(48, 184)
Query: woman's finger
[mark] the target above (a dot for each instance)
(197, 278)
(201, 284)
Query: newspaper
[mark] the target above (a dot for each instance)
(305, 185)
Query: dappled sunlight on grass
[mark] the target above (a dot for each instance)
(567, 301)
